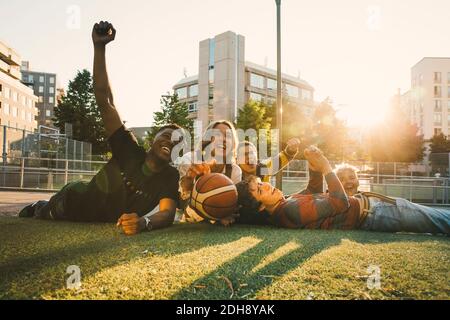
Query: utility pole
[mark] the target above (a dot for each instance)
(279, 176)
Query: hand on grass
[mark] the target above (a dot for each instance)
(131, 223)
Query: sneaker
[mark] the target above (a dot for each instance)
(31, 210)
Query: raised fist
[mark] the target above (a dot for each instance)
(103, 33)
(292, 146)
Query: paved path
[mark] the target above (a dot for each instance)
(11, 202)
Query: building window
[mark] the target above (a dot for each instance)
(14, 112)
(255, 96)
(193, 90)
(51, 90)
(437, 77)
(22, 114)
(15, 96)
(271, 84)
(29, 103)
(192, 107)
(41, 99)
(24, 101)
(41, 79)
(212, 51)
(448, 92)
(256, 81)
(52, 80)
(6, 109)
(292, 91)
(7, 93)
(30, 78)
(437, 106)
(211, 75)
(437, 118)
(437, 91)
(51, 100)
(41, 89)
(437, 131)
(29, 116)
(48, 113)
(182, 93)
(306, 94)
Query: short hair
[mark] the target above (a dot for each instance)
(173, 126)
(246, 201)
(340, 168)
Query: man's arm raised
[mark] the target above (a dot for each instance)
(102, 34)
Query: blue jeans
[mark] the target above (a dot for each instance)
(405, 216)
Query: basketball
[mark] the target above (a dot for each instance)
(214, 196)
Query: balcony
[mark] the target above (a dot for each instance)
(9, 55)
(15, 72)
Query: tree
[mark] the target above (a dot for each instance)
(440, 144)
(396, 139)
(172, 112)
(329, 132)
(79, 108)
(254, 115)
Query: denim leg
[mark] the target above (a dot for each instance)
(407, 217)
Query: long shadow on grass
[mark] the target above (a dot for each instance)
(36, 267)
(40, 265)
(249, 273)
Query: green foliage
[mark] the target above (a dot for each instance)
(172, 112)
(79, 108)
(254, 115)
(440, 144)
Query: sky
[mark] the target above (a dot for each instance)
(358, 52)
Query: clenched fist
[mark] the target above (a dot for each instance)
(317, 161)
(103, 33)
(131, 223)
(292, 147)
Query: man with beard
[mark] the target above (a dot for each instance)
(132, 183)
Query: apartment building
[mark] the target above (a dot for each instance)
(226, 81)
(44, 87)
(427, 103)
(17, 101)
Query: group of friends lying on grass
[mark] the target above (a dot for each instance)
(140, 190)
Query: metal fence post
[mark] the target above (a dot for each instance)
(378, 173)
(22, 171)
(66, 173)
(4, 154)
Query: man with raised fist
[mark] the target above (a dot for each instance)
(132, 183)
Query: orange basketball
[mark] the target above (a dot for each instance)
(214, 196)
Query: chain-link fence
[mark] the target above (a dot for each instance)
(16, 143)
(416, 182)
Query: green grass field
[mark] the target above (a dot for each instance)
(209, 262)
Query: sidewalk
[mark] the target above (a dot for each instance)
(11, 202)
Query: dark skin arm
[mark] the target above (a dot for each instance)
(102, 34)
(132, 224)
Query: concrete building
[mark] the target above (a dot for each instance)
(44, 87)
(225, 82)
(427, 103)
(17, 101)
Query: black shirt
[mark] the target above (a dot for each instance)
(124, 185)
